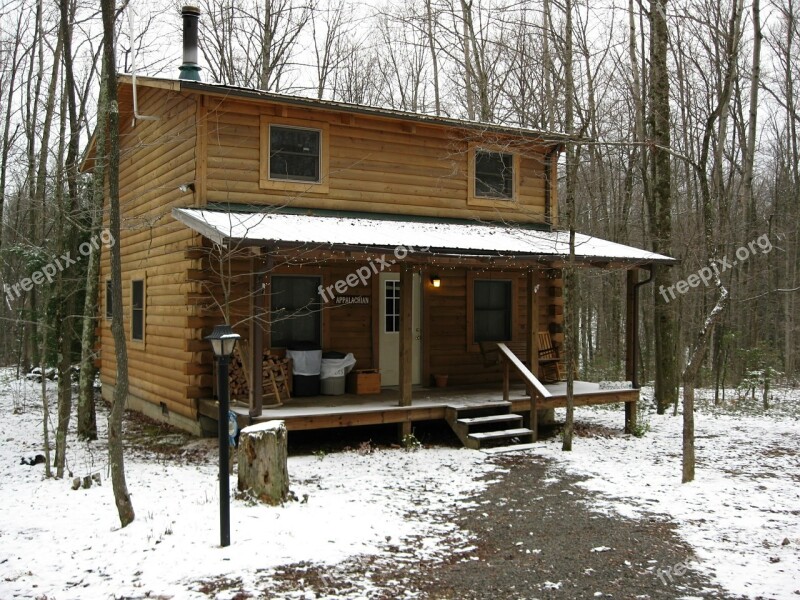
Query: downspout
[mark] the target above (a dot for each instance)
(548, 163)
(635, 340)
(136, 114)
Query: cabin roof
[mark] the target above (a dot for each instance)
(466, 238)
(219, 89)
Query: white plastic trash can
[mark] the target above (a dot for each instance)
(333, 372)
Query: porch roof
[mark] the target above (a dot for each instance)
(465, 238)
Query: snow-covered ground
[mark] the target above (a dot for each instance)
(68, 544)
(60, 543)
(741, 515)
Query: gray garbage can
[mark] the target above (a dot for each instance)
(333, 372)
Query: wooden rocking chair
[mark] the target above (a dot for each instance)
(552, 367)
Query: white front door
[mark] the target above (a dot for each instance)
(390, 330)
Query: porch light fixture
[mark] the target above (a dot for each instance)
(186, 187)
(223, 341)
(435, 281)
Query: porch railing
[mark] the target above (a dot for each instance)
(534, 386)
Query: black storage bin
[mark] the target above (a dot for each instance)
(306, 366)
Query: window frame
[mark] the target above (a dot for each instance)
(266, 182)
(472, 277)
(507, 203)
(135, 278)
(271, 304)
(109, 307)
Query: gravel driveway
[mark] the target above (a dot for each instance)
(538, 538)
(535, 536)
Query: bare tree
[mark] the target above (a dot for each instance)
(659, 202)
(110, 111)
(570, 300)
(251, 43)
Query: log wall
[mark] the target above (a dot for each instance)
(375, 165)
(156, 157)
(449, 352)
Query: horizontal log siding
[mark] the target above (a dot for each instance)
(157, 156)
(446, 329)
(376, 165)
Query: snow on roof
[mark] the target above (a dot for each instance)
(462, 238)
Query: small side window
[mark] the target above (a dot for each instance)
(137, 310)
(109, 300)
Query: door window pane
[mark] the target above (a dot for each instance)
(392, 319)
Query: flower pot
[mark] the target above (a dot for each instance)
(440, 380)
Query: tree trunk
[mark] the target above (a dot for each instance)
(434, 58)
(87, 416)
(45, 415)
(68, 237)
(570, 291)
(660, 205)
(115, 449)
(690, 377)
(262, 462)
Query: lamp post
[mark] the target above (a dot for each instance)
(223, 341)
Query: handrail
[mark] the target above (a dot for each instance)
(529, 377)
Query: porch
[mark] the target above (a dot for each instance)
(350, 410)
(412, 299)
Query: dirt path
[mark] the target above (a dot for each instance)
(538, 538)
(535, 536)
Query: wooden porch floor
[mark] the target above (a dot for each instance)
(349, 410)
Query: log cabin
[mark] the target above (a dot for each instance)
(426, 246)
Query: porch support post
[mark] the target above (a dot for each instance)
(506, 379)
(631, 342)
(406, 340)
(531, 336)
(256, 338)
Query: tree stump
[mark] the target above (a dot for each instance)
(262, 462)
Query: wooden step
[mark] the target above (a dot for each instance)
(487, 423)
(455, 412)
(489, 419)
(501, 434)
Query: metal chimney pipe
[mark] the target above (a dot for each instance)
(190, 69)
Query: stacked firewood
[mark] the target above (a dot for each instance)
(276, 378)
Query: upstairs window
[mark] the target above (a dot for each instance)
(494, 175)
(294, 153)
